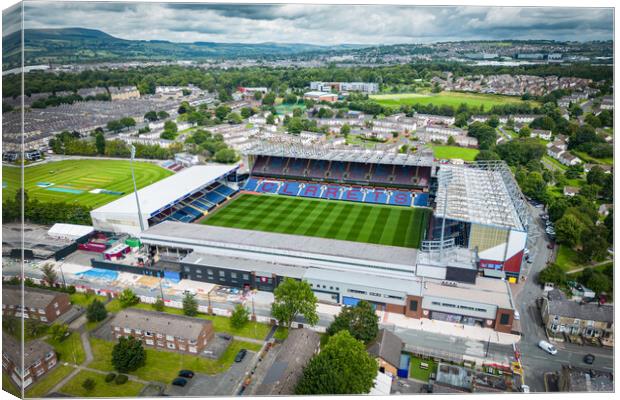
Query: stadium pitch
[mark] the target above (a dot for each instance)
(91, 183)
(358, 222)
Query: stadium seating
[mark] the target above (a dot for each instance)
(421, 200)
(274, 165)
(290, 188)
(251, 184)
(400, 198)
(310, 190)
(358, 172)
(332, 192)
(296, 167)
(381, 173)
(317, 169)
(225, 190)
(337, 170)
(268, 186)
(376, 196)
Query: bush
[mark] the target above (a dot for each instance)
(110, 377)
(121, 379)
(88, 384)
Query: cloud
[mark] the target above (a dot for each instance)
(322, 24)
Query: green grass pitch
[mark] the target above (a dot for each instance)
(80, 175)
(453, 99)
(358, 222)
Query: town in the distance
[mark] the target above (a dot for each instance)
(238, 219)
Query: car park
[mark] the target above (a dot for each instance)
(548, 347)
(589, 359)
(186, 373)
(241, 355)
(179, 382)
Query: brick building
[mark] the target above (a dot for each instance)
(157, 329)
(39, 304)
(39, 358)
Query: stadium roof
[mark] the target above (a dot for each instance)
(481, 193)
(164, 193)
(243, 264)
(337, 153)
(286, 244)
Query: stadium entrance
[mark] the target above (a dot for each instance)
(457, 319)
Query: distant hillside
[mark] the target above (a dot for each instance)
(79, 45)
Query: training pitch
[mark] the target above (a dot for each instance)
(379, 224)
(453, 99)
(91, 183)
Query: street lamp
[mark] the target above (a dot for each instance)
(135, 187)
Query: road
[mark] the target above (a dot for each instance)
(535, 361)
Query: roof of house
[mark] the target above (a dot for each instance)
(571, 189)
(167, 324)
(33, 297)
(587, 380)
(287, 368)
(586, 312)
(386, 346)
(34, 350)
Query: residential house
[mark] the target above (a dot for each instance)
(607, 103)
(606, 168)
(571, 191)
(590, 320)
(576, 379)
(386, 349)
(559, 143)
(541, 133)
(568, 159)
(186, 159)
(91, 92)
(39, 304)
(124, 93)
(287, 367)
(605, 209)
(161, 330)
(38, 358)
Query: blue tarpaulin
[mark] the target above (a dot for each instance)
(403, 368)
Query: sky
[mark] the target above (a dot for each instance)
(319, 24)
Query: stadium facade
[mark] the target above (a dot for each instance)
(479, 204)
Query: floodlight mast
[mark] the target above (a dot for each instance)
(135, 187)
(446, 178)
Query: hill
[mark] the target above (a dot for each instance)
(80, 45)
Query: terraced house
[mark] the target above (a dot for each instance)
(157, 329)
(39, 304)
(39, 358)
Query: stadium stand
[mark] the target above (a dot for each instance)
(358, 172)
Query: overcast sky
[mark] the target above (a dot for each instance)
(321, 24)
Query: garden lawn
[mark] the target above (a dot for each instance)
(453, 99)
(69, 350)
(589, 159)
(163, 366)
(41, 387)
(567, 258)
(281, 333)
(253, 330)
(83, 300)
(71, 181)
(102, 388)
(415, 372)
(449, 152)
(341, 220)
(9, 386)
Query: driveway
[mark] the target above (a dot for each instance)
(223, 384)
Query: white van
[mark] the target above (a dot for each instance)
(548, 347)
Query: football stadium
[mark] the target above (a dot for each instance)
(402, 231)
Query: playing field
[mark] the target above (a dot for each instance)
(90, 183)
(453, 99)
(387, 225)
(449, 152)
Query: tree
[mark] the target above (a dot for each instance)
(568, 230)
(151, 116)
(270, 120)
(128, 298)
(58, 332)
(100, 143)
(596, 176)
(190, 305)
(552, 274)
(49, 274)
(246, 112)
(596, 281)
(293, 298)
(525, 132)
(89, 384)
(162, 115)
(114, 126)
(345, 129)
(159, 304)
(96, 311)
(493, 121)
(170, 126)
(239, 317)
(534, 186)
(342, 367)
(128, 122)
(128, 355)
(594, 243)
(360, 321)
(269, 99)
(234, 118)
(484, 155)
(225, 156)
(451, 141)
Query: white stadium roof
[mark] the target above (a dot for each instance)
(168, 191)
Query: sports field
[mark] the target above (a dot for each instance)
(387, 225)
(90, 183)
(453, 99)
(450, 152)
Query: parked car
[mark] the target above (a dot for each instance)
(241, 355)
(186, 373)
(589, 359)
(517, 315)
(548, 347)
(179, 382)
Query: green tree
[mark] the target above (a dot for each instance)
(170, 126)
(128, 298)
(100, 143)
(151, 116)
(270, 120)
(240, 316)
(89, 384)
(246, 112)
(128, 122)
(190, 305)
(552, 274)
(345, 129)
(294, 298)
(342, 367)
(269, 99)
(568, 230)
(128, 355)
(222, 111)
(162, 115)
(596, 281)
(487, 155)
(49, 274)
(225, 156)
(360, 321)
(58, 332)
(451, 141)
(493, 121)
(594, 243)
(114, 126)
(525, 132)
(234, 118)
(596, 176)
(159, 304)
(96, 311)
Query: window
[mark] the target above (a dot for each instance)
(160, 343)
(187, 269)
(413, 305)
(49, 355)
(171, 346)
(127, 330)
(41, 311)
(44, 319)
(40, 372)
(504, 318)
(311, 285)
(331, 288)
(182, 347)
(222, 274)
(192, 349)
(356, 291)
(56, 305)
(149, 341)
(246, 277)
(192, 342)
(233, 275)
(159, 336)
(169, 337)
(137, 331)
(36, 364)
(374, 294)
(393, 297)
(209, 271)
(148, 334)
